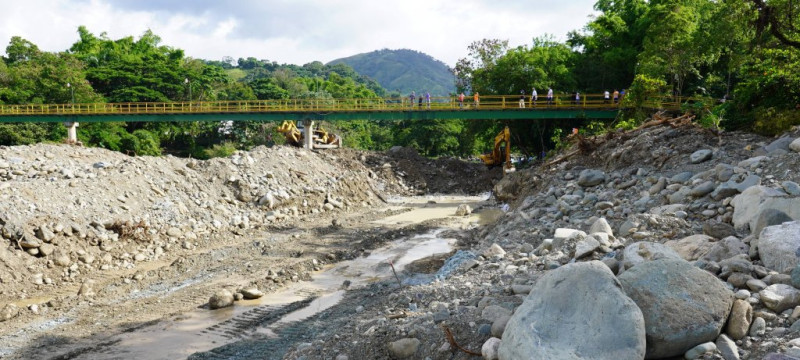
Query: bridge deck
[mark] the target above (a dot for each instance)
(489, 107)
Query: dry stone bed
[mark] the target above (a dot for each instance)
(698, 230)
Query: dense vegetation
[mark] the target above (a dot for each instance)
(403, 71)
(747, 52)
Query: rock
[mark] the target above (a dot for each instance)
(718, 230)
(691, 247)
(795, 145)
(29, 242)
(87, 289)
(463, 210)
(675, 299)
(700, 350)
(489, 348)
(9, 312)
(781, 144)
(640, 252)
(45, 234)
(681, 178)
(778, 245)
(47, 249)
(562, 233)
(569, 312)
(586, 247)
(702, 189)
(220, 299)
(756, 285)
(404, 348)
(174, 232)
(739, 319)
(727, 348)
(591, 177)
(739, 280)
(61, 258)
(769, 217)
(494, 250)
(780, 297)
(499, 326)
(700, 156)
(777, 356)
(749, 204)
(758, 327)
(724, 190)
(493, 312)
(252, 293)
(601, 226)
(726, 249)
(791, 188)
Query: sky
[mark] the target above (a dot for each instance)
(295, 31)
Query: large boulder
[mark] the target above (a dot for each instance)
(692, 247)
(220, 299)
(780, 297)
(577, 311)
(683, 306)
(750, 203)
(795, 145)
(779, 246)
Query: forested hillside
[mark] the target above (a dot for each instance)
(699, 52)
(403, 71)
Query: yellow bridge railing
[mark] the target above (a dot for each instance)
(493, 102)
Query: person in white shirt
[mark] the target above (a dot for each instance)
(550, 96)
(534, 97)
(606, 97)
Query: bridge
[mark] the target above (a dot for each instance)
(501, 107)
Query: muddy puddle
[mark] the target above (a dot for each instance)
(203, 330)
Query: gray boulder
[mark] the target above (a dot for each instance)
(601, 226)
(718, 230)
(220, 299)
(404, 348)
(781, 144)
(692, 247)
(778, 247)
(640, 252)
(700, 156)
(749, 204)
(591, 177)
(780, 297)
(769, 217)
(791, 188)
(795, 145)
(577, 311)
(702, 189)
(726, 249)
(683, 306)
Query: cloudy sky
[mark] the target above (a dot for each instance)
(295, 31)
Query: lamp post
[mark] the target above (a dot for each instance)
(455, 81)
(186, 81)
(71, 92)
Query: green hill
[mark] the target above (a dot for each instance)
(403, 71)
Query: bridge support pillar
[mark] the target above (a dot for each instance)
(308, 137)
(72, 132)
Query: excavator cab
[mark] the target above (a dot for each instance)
(501, 153)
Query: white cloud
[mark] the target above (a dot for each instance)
(298, 31)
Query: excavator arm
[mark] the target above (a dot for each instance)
(501, 153)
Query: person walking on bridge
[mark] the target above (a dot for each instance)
(412, 97)
(549, 96)
(477, 99)
(616, 96)
(577, 98)
(522, 99)
(428, 99)
(606, 97)
(461, 100)
(534, 97)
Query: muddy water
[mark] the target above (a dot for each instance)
(203, 330)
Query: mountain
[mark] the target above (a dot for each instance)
(403, 71)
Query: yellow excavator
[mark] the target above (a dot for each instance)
(501, 153)
(322, 139)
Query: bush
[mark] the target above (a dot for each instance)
(771, 121)
(221, 150)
